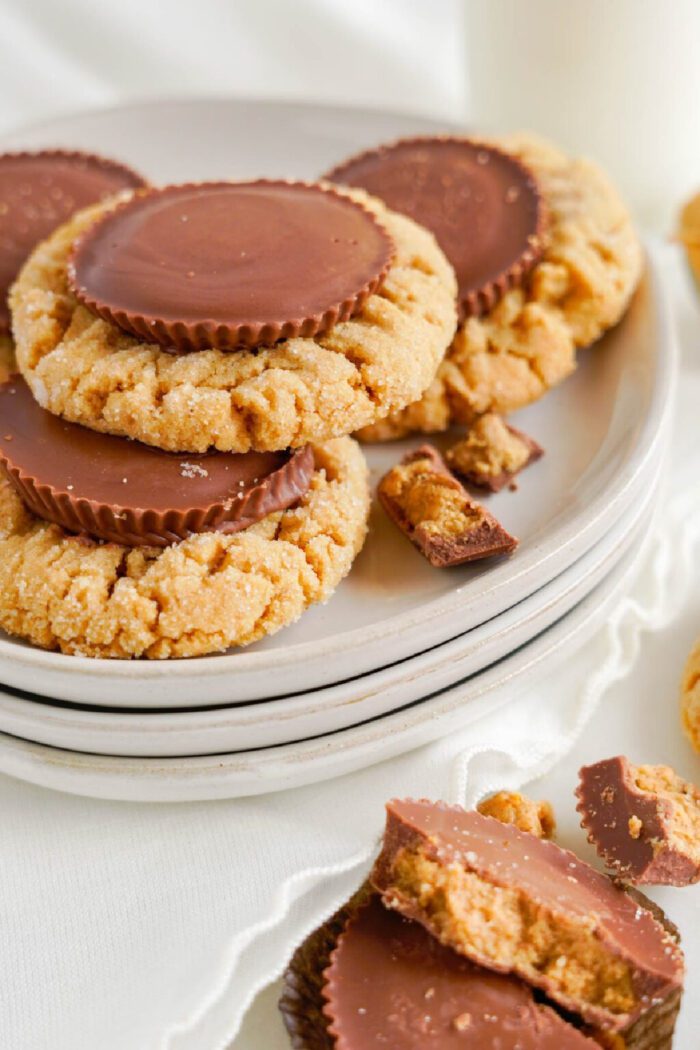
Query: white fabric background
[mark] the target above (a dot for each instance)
(69, 55)
(130, 927)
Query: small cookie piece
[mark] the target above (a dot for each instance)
(643, 820)
(202, 595)
(521, 905)
(690, 697)
(437, 514)
(527, 344)
(510, 807)
(294, 392)
(492, 453)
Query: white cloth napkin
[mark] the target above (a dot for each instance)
(136, 927)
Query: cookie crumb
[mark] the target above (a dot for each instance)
(193, 470)
(510, 807)
(462, 1022)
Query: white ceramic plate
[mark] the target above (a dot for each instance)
(602, 428)
(294, 765)
(288, 719)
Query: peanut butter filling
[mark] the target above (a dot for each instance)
(501, 927)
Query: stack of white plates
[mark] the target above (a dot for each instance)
(403, 653)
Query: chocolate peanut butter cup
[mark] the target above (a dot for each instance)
(391, 984)
(305, 1005)
(482, 204)
(518, 904)
(228, 265)
(38, 192)
(125, 492)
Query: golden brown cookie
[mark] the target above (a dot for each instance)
(299, 390)
(202, 595)
(690, 697)
(510, 807)
(527, 344)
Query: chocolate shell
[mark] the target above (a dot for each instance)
(489, 863)
(230, 264)
(41, 190)
(125, 492)
(389, 983)
(482, 204)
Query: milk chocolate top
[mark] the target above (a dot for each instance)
(228, 264)
(540, 870)
(126, 492)
(483, 206)
(391, 984)
(38, 192)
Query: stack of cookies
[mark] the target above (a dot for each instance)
(475, 933)
(177, 475)
(183, 368)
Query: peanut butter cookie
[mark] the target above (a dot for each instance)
(299, 390)
(200, 595)
(581, 286)
(690, 698)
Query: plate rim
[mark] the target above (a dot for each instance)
(63, 770)
(302, 704)
(277, 660)
(554, 603)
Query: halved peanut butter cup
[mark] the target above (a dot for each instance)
(228, 265)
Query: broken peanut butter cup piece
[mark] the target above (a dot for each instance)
(128, 493)
(518, 904)
(492, 453)
(643, 820)
(482, 204)
(391, 984)
(227, 265)
(38, 192)
(427, 502)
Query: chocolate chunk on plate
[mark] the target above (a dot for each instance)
(438, 515)
(517, 904)
(492, 453)
(643, 820)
